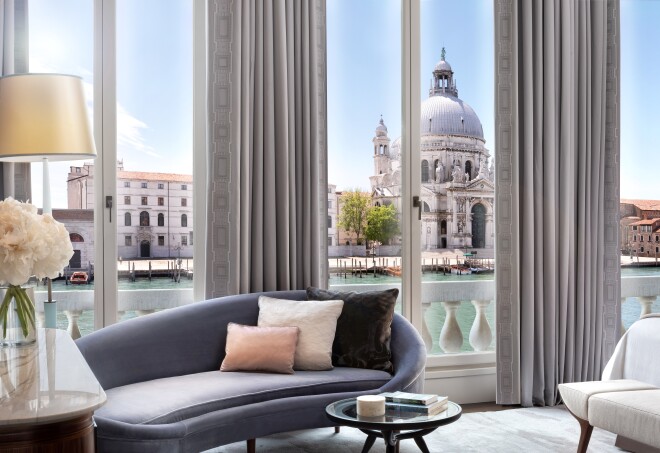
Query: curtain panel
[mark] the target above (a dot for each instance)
(557, 122)
(268, 147)
(14, 178)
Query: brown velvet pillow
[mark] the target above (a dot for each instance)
(252, 348)
(362, 338)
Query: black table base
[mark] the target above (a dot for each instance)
(392, 439)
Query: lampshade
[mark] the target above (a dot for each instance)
(43, 115)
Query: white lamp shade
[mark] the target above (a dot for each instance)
(44, 115)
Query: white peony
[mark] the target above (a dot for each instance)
(30, 244)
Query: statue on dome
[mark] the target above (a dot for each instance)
(440, 173)
(457, 174)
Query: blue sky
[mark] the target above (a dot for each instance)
(364, 78)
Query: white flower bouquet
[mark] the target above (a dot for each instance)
(30, 245)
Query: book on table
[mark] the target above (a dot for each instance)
(412, 398)
(428, 409)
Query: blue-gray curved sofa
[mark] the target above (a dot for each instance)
(166, 393)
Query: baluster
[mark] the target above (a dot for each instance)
(480, 334)
(72, 317)
(451, 337)
(645, 302)
(623, 328)
(426, 334)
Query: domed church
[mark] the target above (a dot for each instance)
(457, 183)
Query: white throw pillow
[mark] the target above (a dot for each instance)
(317, 321)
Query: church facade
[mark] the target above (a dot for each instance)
(457, 189)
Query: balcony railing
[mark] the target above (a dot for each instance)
(458, 315)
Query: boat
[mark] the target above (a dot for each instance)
(481, 270)
(78, 278)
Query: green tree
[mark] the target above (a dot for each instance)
(382, 224)
(354, 206)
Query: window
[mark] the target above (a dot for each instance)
(329, 241)
(329, 204)
(161, 201)
(144, 201)
(127, 200)
(184, 220)
(425, 171)
(144, 218)
(161, 185)
(184, 187)
(184, 240)
(143, 185)
(161, 219)
(634, 227)
(75, 237)
(161, 240)
(329, 222)
(127, 219)
(128, 240)
(184, 202)
(127, 184)
(191, 238)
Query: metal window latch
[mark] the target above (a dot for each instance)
(108, 204)
(417, 203)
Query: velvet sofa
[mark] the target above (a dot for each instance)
(166, 393)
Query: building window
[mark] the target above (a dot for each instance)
(127, 219)
(143, 185)
(635, 237)
(128, 240)
(641, 249)
(184, 240)
(161, 219)
(127, 184)
(634, 228)
(127, 200)
(184, 202)
(329, 222)
(144, 201)
(184, 187)
(425, 171)
(161, 201)
(191, 238)
(161, 240)
(184, 220)
(161, 185)
(329, 204)
(144, 218)
(329, 241)
(75, 237)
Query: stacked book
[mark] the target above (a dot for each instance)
(415, 402)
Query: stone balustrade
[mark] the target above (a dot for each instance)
(458, 315)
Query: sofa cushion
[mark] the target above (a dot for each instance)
(317, 323)
(173, 399)
(364, 329)
(252, 348)
(576, 394)
(633, 414)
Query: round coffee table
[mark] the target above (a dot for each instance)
(391, 425)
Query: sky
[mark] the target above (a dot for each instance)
(154, 77)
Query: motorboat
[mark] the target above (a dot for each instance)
(78, 278)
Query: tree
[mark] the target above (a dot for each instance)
(382, 224)
(354, 206)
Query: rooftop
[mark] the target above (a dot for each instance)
(148, 176)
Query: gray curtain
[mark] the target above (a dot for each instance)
(14, 178)
(557, 194)
(267, 172)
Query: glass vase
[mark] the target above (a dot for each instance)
(17, 316)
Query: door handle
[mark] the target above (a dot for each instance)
(108, 204)
(417, 203)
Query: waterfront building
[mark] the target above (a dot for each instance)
(457, 191)
(153, 211)
(640, 227)
(80, 225)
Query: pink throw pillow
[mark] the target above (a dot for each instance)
(252, 348)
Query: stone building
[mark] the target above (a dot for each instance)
(153, 211)
(80, 225)
(640, 227)
(457, 189)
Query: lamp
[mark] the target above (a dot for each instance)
(44, 117)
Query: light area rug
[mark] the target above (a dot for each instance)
(529, 430)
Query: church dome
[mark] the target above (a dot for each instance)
(442, 65)
(443, 114)
(381, 129)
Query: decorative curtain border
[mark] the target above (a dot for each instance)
(506, 216)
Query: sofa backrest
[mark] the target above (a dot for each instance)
(636, 355)
(183, 340)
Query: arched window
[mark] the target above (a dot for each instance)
(75, 237)
(161, 219)
(468, 168)
(425, 171)
(435, 169)
(144, 218)
(184, 220)
(127, 219)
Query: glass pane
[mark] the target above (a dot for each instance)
(61, 38)
(457, 175)
(364, 129)
(640, 194)
(154, 152)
